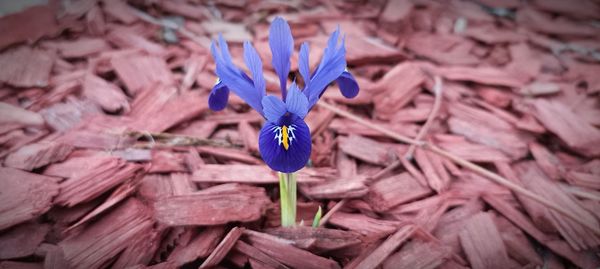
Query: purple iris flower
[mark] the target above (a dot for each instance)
(284, 140)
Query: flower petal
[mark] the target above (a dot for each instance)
(224, 49)
(304, 64)
(233, 77)
(347, 84)
(331, 46)
(273, 108)
(331, 67)
(255, 66)
(272, 149)
(282, 46)
(296, 102)
(217, 100)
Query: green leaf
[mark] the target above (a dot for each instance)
(317, 218)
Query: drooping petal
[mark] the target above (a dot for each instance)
(274, 152)
(254, 64)
(217, 100)
(304, 64)
(273, 108)
(282, 46)
(296, 102)
(331, 67)
(234, 78)
(347, 84)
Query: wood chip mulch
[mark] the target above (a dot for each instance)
(474, 141)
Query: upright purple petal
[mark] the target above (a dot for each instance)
(273, 108)
(276, 155)
(304, 63)
(331, 67)
(347, 84)
(234, 78)
(282, 46)
(254, 63)
(224, 49)
(217, 100)
(296, 102)
(329, 51)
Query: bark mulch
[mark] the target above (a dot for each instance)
(474, 141)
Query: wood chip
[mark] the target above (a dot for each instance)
(22, 241)
(364, 50)
(483, 244)
(11, 114)
(393, 97)
(139, 72)
(20, 265)
(443, 49)
(120, 11)
(418, 254)
(483, 75)
(166, 161)
(125, 38)
(367, 226)
(508, 142)
(474, 152)
(243, 204)
(223, 248)
(392, 191)
(37, 155)
(577, 236)
(317, 239)
(28, 25)
(242, 173)
(557, 246)
(200, 247)
(378, 255)
(55, 258)
(288, 254)
(337, 188)
(26, 67)
(258, 256)
(105, 239)
(24, 196)
(82, 47)
(517, 244)
(577, 134)
(435, 175)
(103, 175)
(176, 110)
(105, 94)
(395, 11)
(365, 149)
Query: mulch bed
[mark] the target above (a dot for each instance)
(474, 141)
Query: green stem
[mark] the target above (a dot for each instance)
(287, 197)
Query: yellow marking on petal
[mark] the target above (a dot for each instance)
(284, 135)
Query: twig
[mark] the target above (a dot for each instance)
(172, 140)
(371, 125)
(395, 164)
(581, 192)
(466, 164)
(509, 184)
(330, 213)
(437, 91)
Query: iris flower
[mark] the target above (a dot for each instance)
(284, 140)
